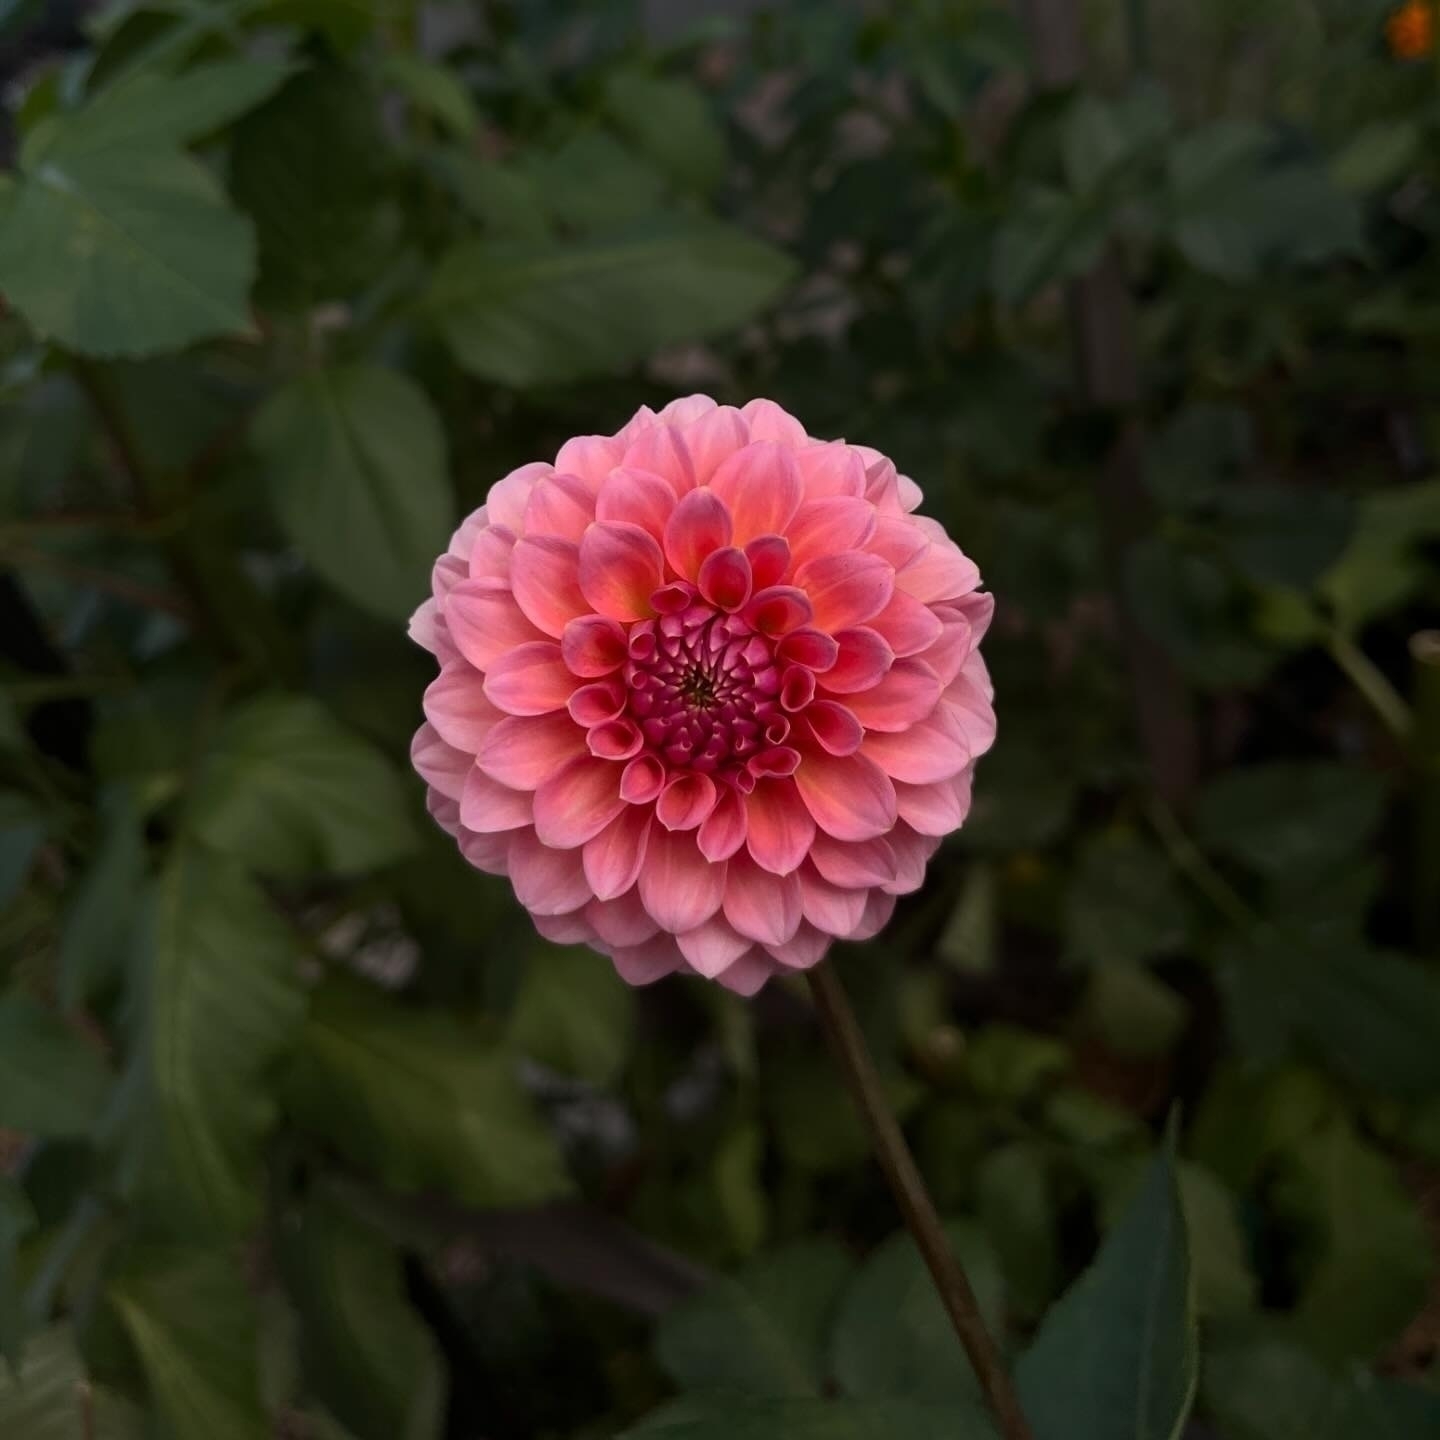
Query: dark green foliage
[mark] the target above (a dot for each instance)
(305, 1133)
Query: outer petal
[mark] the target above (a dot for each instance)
(943, 572)
(530, 680)
(910, 627)
(934, 809)
(546, 881)
(576, 803)
(855, 866)
(805, 949)
(829, 526)
(680, 888)
(850, 798)
(830, 908)
(712, 947)
(544, 576)
(623, 921)
(620, 568)
(934, 748)
(591, 457)
(456, 705)
(714, 438)
(636, 496)
(723, 832)
(662, 451)
(769, 421)
(487, 806)
(560, 505)
(440, 765)
(613, 858)
(484, 621)
(647, 963)
(831, 467)
(846, 589)
(505, 503)
(523, 751)
(778, 826)
(762, 906)
(904, 696)
(748, 975)
(761, 488)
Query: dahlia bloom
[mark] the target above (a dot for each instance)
(709, 691)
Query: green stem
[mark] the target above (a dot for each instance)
(842, 1029)
(1370, 681)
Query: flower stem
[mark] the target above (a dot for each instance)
(848, 1042)
(1370, 681)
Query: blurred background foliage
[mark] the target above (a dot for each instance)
(305, 1134)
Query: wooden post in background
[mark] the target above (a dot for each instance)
(1102, 323)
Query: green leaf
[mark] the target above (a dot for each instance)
(1101, 136)
(367, 1354)
(592, 183)
(222, 1005)
(1202, 446)
(762, 1332)
(1284, 535)
(736, 1419)
(287, 790)
(1123, 905)
(528, 314)
(672, 122)
(1047, 236)
(505, 200)
(50, 1397)
(1005, 1063)
(356, 462)
(1376, 156)
(1269, 1388)
(310, 168)
(1225, 1285)
(1015, 1199)
(1367, 1257)
(574, 1013)
(421, 1101)
(52, 1081)
(1117, 1355)
(193, 1325)
(98, 932)
(892, 1338)
(151, 111)
(1382, 568)
(1134, 1014)
(17, 1219)
(124, 251)
(24, 827)
(434, 89)
(1290, 814)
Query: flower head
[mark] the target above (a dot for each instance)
(1410, 30)
(709, 693)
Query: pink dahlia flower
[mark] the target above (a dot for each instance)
(709, 692)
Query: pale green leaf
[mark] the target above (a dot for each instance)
(222, 1004)
(574, 1013)
(287, 790)
(1117, 1355)
(420, 1100)
(52, 1398)
(671, 121)
(433, 89)
(52, 1080)
(528, 314)
(355, 458)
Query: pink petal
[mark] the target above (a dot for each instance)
(830, 526)
(642, 780)
(505, 503)
(487, 806)
(834, 726)
(686, 801)
(662, 450)
(591, 457)
(807, 948)
(530, 680)
(812, 648)
(762, 906)
(491, 555)
(912, 497)
(778, 827)
(882, 487)
(769, 421)
(544, 577)
(832, 908)
(699, 525)
(724, 578)
(879, 907)
(749, 974)
(577, 802)
(761, 488)
(422, 628)
(769, 557)
(615, 740)
(637, 496)
(621, 922)
(947, 656)
(467, 532)
(906, 694)
(723, 832)
(620, 565)
(546, 881)
(560, 505)
(897, 539)
(438, 764)
(863, 659)
(712, 947)
(484, 621)
(910, 627)
(941, 573)
(686, 409)
(797, 688)
(613, 858)
(597, 703)
(777, 760)
(456, 705)
(934, 809)
(846, 588)
(932, 749)
(521, 751)
(490, 853)
(647, 963)
(850, 798)
(636, 425)
(593, 645)
(912, 854)
(713, 439)
(854, 865)
(979, 610)
(831, 468)
(572, 929)
(779, 610)
(680, 888)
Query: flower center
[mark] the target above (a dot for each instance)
(704, 688)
